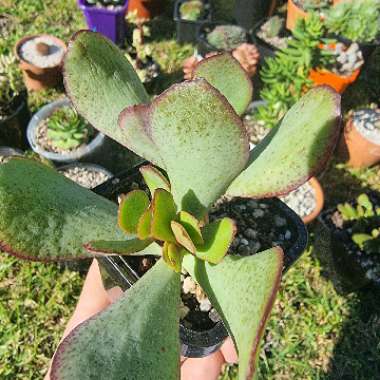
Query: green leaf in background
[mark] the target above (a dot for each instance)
(217, 236)
(135, 338)
(154, 178)
(225, 73)
(45, 216)
(164, 211)
(131, 208)
(204, 150)
(242, 290)
(296, 150)
(100, 81)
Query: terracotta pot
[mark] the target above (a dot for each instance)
(356, 149)
(294, 13)
(319, 199)
(337, 82)
(146, 9)
(335, 2)
(37, 78)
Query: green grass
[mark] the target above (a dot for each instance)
(314, 333)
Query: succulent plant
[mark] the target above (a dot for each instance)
(312, 5)
(355, 20)
(286, 76)
(67, 129)
(227, 37)
(11, 84)
(191, 10)
(194, 137)
(365, 223)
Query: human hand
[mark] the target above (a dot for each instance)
(94, 299)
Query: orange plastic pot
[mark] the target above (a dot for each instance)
(294, 13)
(356, 149)
(146, 9)
(319, 200)
(38, 78)
(335, 2)
(337, 82)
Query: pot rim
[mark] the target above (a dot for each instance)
(22, 40)
(350, 125)
(319, 198)
(43, 114)
(8, 151)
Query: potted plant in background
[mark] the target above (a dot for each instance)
(188, 16)
(360, 143)
(299, 9)
(14, 111)
(341, 68)
(213, 37)
(106, 17)
(356, 21)
(40, 58)
(146, 9)
(203, 160)
(350, 242)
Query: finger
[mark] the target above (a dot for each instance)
(207, 368)
(229, 352)
(114, 294)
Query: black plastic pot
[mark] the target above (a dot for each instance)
(347, 271)
(249, 12)
(13, 128)
(116, 271)
(186, 29)
(204, 47)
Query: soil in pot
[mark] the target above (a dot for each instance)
(86, 175)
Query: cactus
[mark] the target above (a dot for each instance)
(199, 150)
(191, 10)
(227, 37)
(67, 129)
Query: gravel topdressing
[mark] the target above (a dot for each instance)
(367, 122)
(302, 200)
(85, 176)
(29, 52)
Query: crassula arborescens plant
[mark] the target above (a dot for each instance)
(192, 133)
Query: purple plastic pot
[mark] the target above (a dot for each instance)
(109, 22)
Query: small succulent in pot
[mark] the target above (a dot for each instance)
(66, 129)
(227, 37)
(191, 10)
(194, 138)
(11, 86)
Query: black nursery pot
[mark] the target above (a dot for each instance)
(120, 271)
(13, 128)
(204, 47)
(339, 255)
(186, 29)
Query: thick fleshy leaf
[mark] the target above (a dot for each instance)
(164, 211)
(217, 236)
(296, 150)
(131, 208)
(45, 216)
(121, 247)
(135, 338)
(182, 236)
(242, 290)
(202, 141)
(144, 226)
(154, 178)
(101, 82)
(225, 73)
(173, 256)
(192, 226)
